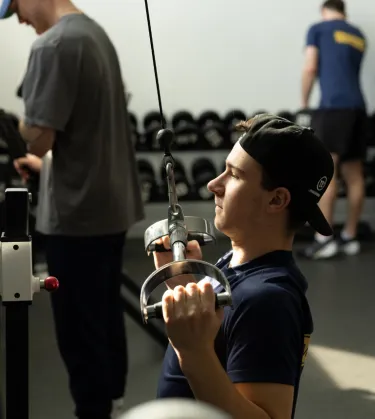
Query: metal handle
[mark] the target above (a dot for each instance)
(200, 238)
(155, 311)
(197, 268)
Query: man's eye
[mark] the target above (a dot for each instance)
(233, 175)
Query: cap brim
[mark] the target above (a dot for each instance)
(318, 222)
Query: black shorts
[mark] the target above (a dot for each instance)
(343, 131)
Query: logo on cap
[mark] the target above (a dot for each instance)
(322, 183)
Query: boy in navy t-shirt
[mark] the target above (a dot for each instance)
(247, 359)
(334, 54)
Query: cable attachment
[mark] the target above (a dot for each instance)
(177, 230)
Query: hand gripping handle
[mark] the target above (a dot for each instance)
(200, 238)
(155, 311)
(176, 268)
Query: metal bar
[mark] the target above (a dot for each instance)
(17, 360)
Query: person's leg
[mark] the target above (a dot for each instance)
(328, 200)
(332, 131)
(352, 171)
(82, 315)
(116, 325)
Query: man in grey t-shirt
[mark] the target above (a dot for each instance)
(75, 106)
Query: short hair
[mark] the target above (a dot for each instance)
(336, 5)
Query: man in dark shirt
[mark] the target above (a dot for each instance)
(334, 54)
(76, 120)
(247, 360)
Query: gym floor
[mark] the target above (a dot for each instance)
(338, 381)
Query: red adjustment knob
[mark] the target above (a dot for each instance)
(50, 284)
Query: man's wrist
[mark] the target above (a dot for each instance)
(191, 362)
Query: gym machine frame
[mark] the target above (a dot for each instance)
(17, 288)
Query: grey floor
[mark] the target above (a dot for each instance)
(339, 378)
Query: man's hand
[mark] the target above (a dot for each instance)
(193, 251)
(31, 162)
(191, 320)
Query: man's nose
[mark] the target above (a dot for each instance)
(216, 185)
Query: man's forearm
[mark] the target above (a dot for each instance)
(211, 384)
(308, 79)
(29, 134)
(38, 140)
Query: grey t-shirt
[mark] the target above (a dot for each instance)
(74, 85)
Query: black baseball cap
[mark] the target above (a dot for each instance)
(294, 157)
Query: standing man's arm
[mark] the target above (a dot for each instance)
(310, 67)
(48, 90)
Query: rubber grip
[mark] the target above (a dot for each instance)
(155, 311)
(155, 247)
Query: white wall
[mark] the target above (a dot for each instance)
(218, 54)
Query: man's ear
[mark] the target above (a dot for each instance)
(280, 200)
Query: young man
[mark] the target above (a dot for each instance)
(75, 106)
(247, 360)
(334, 54)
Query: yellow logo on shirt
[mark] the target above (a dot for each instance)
(354, 41)
(306, 343)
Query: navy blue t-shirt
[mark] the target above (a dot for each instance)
(265, 336)
(341, 49)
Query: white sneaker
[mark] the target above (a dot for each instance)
(350, 247)
(318, 250)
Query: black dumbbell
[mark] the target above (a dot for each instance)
(182, 119)
(304, 117)
(203, 171)
(183, 187)
(213, 131)
(186, 131)
(152, 124)
(287, 115)
(149, 186)
(231, 119)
